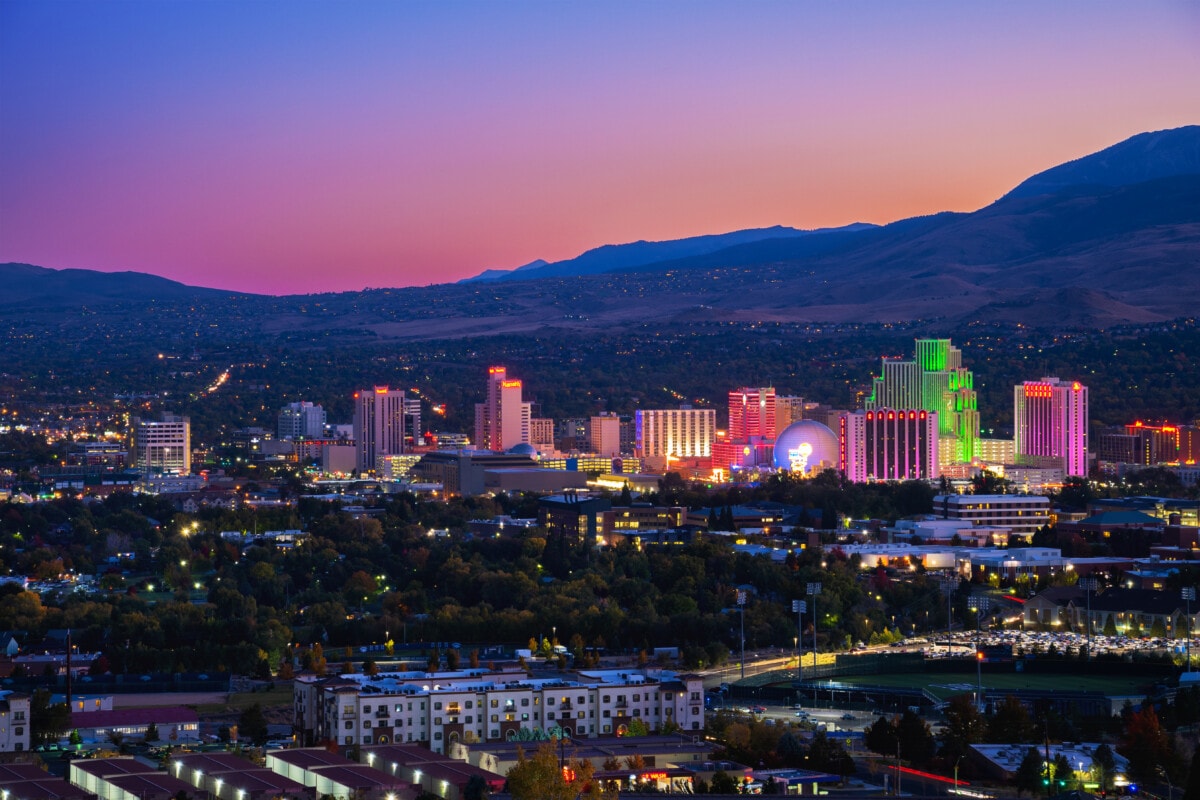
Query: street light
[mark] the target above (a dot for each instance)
(741, 604)
(980, 604)
(1189, 594)
(949, 584)
(1089, 585)
(799, 607)
(814, 589)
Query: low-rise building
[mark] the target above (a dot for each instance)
(439, 709)
(14, 722)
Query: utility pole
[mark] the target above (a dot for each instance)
(799, 606)
(814, 589)
(949, 586)
(741, 603)
(1089, 585)
(980, 603)
(1189, 594)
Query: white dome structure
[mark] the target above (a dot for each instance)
(806, 447)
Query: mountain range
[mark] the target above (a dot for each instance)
(1108, 238)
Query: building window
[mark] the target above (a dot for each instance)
(495, 703)
(349, 725)
(437, 706)
(366, 740)
(366, 709)
(437, 736)
(366, 723)
(525, 701)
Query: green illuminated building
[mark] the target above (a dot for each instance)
(935, 380)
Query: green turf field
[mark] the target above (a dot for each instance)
(948, 685)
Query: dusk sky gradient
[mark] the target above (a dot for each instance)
(292, 147)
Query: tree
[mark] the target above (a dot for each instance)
(1103, 761)
(252, 724)
(916, 739)
(964, 726)
(1010, 723)
(1029, 773)
(1192, 787)
(151, 733)
(47, 722)
(540, 777)
(1062, 772)
(476, 788)
(370, 668)
(722, 783)
(880, 736)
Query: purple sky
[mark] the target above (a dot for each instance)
(288, 147)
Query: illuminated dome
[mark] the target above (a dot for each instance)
(522, 449)
(806, 446)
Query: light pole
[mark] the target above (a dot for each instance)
(980, 603)
(949, 585)
(1089, 585)
(741, 603)
(1189, 594)
(814, 589)
(799, 606)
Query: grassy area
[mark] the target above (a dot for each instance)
(240, 701)
(945, 686)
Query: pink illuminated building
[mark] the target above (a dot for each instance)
(1050, 424)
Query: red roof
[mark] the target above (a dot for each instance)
(167, 715)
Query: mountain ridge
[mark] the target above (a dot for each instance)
(1106, 250)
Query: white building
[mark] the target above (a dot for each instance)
(1023, 514)
(439, 709)
(162, 446)
(14, 722)
(503, 420)
(604, 435)
(301, 421)
(667, 434)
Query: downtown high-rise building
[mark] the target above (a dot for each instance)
(935, 380)
(889, 444)
(502, 421)
(301, 421)
(751, 431)
(383, 425)
(1050, 424)
(679, 433)
(604, 435)
(162, 446)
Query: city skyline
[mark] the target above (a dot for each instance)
(306, 147)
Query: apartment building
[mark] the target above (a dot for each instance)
(440, 709)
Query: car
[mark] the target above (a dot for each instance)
(759, 709)
(848, 715)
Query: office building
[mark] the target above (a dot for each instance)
(1050, 424)
(1021, 514)
(301, 421)
(541, 434)
(379, 425)
(935, 381)
(604, 435)
(503, 419)
(788, 409)
(163, 446)
(668, 434)
(889, 445)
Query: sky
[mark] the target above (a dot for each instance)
(298, 147)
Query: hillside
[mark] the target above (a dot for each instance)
(1106, 239)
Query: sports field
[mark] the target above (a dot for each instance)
(945, 686)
